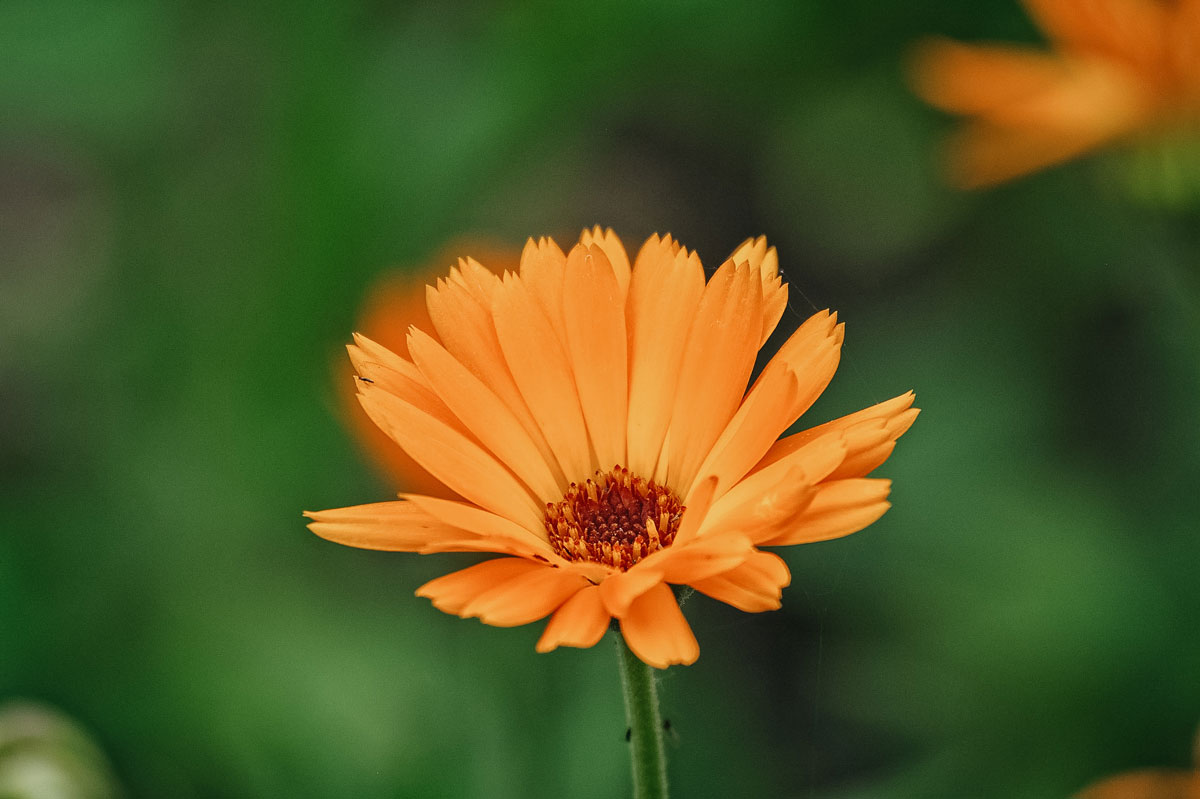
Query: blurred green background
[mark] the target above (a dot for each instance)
(194, 199)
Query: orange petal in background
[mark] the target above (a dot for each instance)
(1149, 784)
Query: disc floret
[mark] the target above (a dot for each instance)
(615, 518)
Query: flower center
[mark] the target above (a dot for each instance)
(615, 518)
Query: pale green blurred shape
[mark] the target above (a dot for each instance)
(46, 755)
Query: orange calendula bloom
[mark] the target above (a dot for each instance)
(595, 419)
(1119, 69)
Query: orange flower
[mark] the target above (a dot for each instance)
(395, 303)
(595, 420)
(1119, 69)
(1149, 784)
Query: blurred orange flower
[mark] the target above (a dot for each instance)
(1119, 69)
(395, 303)
(1149, 784)
(596, 419)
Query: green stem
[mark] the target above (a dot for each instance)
(645, 724)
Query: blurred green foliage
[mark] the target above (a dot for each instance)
(193, 200)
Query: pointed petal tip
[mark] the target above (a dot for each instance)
(320, 528)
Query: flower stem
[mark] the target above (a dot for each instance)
(645, 724)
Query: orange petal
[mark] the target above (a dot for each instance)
(765, 413)
(485, 415)
(1183, 39)
(839, 508)
(763, 507)
(773, 494)
(1115, 28)
(698, 504)
(660, 469)
(581, 621)
(619, 590)
(542, 271)
(486, 525)
(525, 598)
(716, 368)
(1033, 110)
(1097, 100)
(387, 371)
(812, 353)
(464, 326)
(754, 586)
(974, 78)
(656, 631)
(704, 558)
(393, 530)
(1096, 104)
(765, 261)
(451, 457)
(387, 526)
(863, 453)
(658, 331)
(542, 371)
(870, 443)
(480, 281)
(594, 317)
(608, 241)
(775, 300)
(450, 593)
(983, 155)
(381, 365)
(395, 463)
